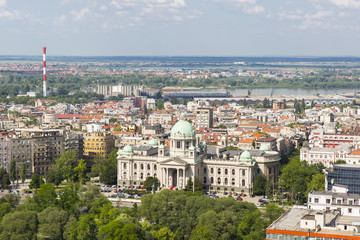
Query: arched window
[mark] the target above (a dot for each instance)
(155, 175)
(148, 167)
(135, 175)
(142, 166)
(219, 170)
(243, 172)
(211, 170)
(233, 181)
(135, 166)
(211, 180)
(243, 182)
(124, 165)
(148, 174)
(219, 181)
(233, 172)
(141, 176)
(226, 181)
(204, 179)
(226, 171)
(155, 167)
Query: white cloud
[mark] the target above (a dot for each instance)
(346, 3)
(247, 6)
(2, 3)
(80, 14)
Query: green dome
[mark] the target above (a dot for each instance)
(162, 146)
(182, 128)
(245, 156)
(127, 150)
(153, 142)
(264, 147)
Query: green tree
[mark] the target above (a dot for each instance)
(163, 233)
(80, 172)
(66, 164)
(160, 104)
(86, 228)
(201, 232)
(150, 182)
(54, 176)
(19, 225)
(259, 186)
(45, 197)
(4, 178)
(189, 185)
(52, 223)
(317, 183)
(108, 171)
(13, 175)
(112, 120)
(272, 212)
(36, 181)
(69, 197)
(23, 172)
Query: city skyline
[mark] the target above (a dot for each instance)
(180, 28)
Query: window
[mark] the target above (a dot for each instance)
(178, 144)
(350, 202)
(226, 171)
(338, 201)
(233, 172)
(328, 201)
(233, 181)
(316, 200)
(211, 180)
(219, 181)
(243, 172)
(135, 166)
(219, 170)
(204, 179)
(142, 166)
(124, 165)
(148, 167)
(226, 181)
(349, 210)
(211, 170)
(243, 182)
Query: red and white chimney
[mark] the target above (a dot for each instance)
(44, 71)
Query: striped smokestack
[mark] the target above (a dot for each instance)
(44, 71)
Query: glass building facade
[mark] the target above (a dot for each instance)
(342, 174)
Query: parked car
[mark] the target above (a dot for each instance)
(235, 194)
(239, 199)
(120, 195)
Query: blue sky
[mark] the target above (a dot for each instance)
(181, 27)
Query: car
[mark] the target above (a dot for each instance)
(225, 193)
(230, 196)
(252, 195)
(130, 196)
(115, 191)
(235, 194)
(239, 199)
(243, 195)
(120, 195)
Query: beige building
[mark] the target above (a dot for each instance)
(217, 168)
(97, 144)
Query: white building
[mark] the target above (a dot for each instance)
(187, 157)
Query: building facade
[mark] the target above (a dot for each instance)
(188, 157)
(97, 144)
(204, 117)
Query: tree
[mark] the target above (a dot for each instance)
(52, 223)
(198, 185)
(69, 197)
(303, 105)
(66, 164)
(259, 185)
(160, 104)
(23, 172)
(272, 212)
(112, 120)
(13, 175)
(80, 172)
(163, 233)
(54, 176)
(201, 232)
(312, 104)
(150, 182)
(86, 228)
(4, 178)
(19, 225)
(108, 170)
(36, 181)
(317, 183)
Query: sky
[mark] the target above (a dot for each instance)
(180, 27)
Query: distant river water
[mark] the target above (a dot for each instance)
(282, 91)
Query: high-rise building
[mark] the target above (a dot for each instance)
(204, 117)
(97, 144)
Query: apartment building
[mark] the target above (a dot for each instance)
(204, 117)
(97, 144)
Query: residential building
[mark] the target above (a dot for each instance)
(204, 117)
(97, 144)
